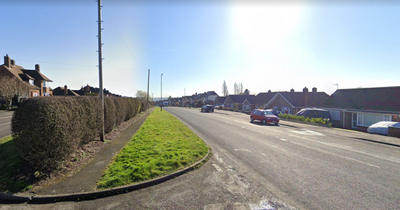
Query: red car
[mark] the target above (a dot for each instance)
(263, 116)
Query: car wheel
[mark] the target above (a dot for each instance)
(276, 123)
(264, 122)
(251, 119)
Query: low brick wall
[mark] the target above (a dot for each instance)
(393, 131)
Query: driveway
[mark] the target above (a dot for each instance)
(5, 123)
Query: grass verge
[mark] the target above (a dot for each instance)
(10, 162)
(161, 146)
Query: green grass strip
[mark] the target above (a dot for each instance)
(161, 146)
(10, 162)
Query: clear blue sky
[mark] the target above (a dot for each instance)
(264, 46)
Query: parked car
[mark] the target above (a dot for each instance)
(263, 116)
(207, 108)
(315, 113)
(382, 127)
(276, 113)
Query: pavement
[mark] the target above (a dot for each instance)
(82, 185)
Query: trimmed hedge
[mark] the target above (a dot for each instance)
(320, 121)
(48, 129)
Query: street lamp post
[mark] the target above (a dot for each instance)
(162, 103)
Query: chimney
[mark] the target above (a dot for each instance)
(314, 90)
(37, 67)
(292, 90)
(12, 62)
(305, 91)
(65, 90)
(7, 61)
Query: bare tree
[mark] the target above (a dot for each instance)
(11, 87)
(141, 95)
(235, 89)
(240, 87)
(225, 89)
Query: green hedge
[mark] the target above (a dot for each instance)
(320, 121)
(48, 129)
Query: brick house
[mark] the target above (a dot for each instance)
(291, 102)
(361, 107)
(64, 91)
(34, 79)
(235, 102)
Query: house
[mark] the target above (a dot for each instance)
(291, 102)
(361, 107)
(93, 91)
(235, 102)
(34, 79)
(219, 100)
(64, 91)
(249, 104)
(210, 97)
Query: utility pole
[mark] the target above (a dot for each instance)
(148, 81)
(162, 102)
(100, 72)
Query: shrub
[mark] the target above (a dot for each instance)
(109, 114)
(303, 119)
(48, 129)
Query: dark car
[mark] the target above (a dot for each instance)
(276, 113)
(263, 116)
(207, 108)
(315, 113)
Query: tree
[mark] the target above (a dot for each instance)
(240, 88)
(246, 92)
(235, 89)
(141, 95)
(225, 89)
(11, 87)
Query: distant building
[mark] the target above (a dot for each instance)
(34, 79)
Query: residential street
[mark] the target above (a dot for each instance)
(5, 123)
(257, 166)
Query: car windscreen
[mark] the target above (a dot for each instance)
(267, 113)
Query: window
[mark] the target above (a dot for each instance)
(367, 119)
(31, 82)
(360, 119)
(387, 117)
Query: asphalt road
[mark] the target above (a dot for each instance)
(5, 123)
(270, 167)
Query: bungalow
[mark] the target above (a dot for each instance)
(210, 97)
(291, 102)
(34, 79)
(64, 91)
(235, 102)
(219, 100)
(361, 107)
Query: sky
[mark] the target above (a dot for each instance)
(196, 46)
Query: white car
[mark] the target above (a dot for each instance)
(382, 127)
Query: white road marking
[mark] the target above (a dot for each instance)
(244, 150)
(217, 168)
(283, 139)
(307, 132)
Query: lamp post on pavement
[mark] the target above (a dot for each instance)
(162, 103)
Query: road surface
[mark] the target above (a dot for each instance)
(255, 166)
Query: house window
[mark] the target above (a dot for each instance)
(360, 119)
(35, 94)
(335, 115)
(31, 82)
(367, 119)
